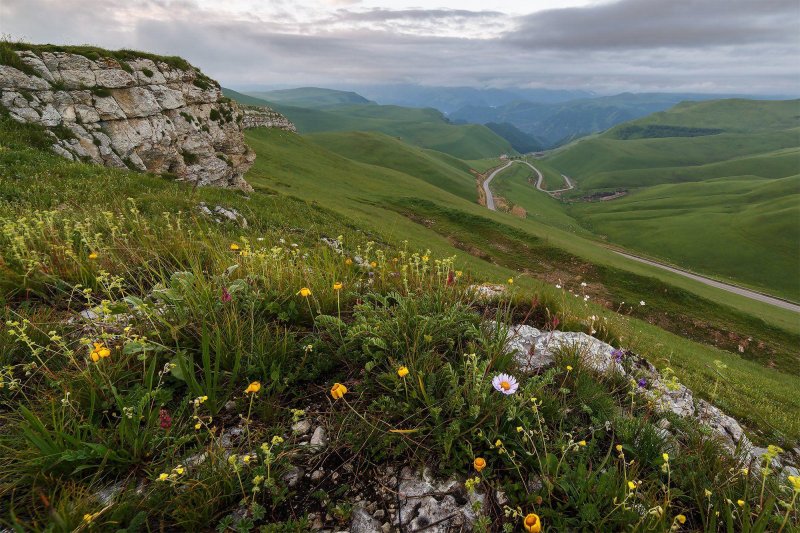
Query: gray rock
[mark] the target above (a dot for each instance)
(292, 477)
(486, 291)
(319, 439)
(148, 123)
(301, 427)
(362, 522)
(426, 503)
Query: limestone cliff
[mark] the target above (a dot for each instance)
(265, 117)
(127, 109)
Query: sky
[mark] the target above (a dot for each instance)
(606, 46)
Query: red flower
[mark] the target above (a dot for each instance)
(164, 420)
(451, 278)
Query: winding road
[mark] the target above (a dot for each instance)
(735, 289)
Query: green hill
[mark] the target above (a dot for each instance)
(699, 178)
(520, 141)
(311, 97)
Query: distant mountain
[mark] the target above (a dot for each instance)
(242, 98)
(311, 97)
(559, 123)
(449, 99)
(520, 141)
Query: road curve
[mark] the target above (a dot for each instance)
(753, 295)
(747, 293)
(489, 197)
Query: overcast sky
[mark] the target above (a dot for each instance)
(732, 46)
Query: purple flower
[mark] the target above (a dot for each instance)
(642, 383)
(617, 355)
(505, 383)
(226, 296)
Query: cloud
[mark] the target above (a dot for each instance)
(634, 45)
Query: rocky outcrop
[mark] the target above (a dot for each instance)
(142, 113)
(265, 117)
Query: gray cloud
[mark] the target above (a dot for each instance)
(635, 45)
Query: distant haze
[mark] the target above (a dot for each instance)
(708, 46)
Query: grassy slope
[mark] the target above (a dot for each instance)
(376, 197)
(761, 216)
(311, 97)
(436, 168)
(720, 175)
(421, 127)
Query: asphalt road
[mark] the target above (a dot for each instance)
(753, 295)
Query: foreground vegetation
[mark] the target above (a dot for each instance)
(139, 334)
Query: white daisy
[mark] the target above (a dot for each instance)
(505, 383)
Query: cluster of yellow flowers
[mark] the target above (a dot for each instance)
(100, 351)
(172, 476)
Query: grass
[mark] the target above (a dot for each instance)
(311, 97)
(426, 128)
(693, 195)
(192, 328)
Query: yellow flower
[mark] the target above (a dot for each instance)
(348, 261)
(100, 351)
(665, 456)
(618, 447)
(531, 523)
(246, 459)
(234, 246)
(582, 443)
(88, 518)
(402, 371)
(253, 387)
(425, 258)
(631, 485)
(338, 391)
(681, 518)
(740, 503)
(337, 286)
(510, 281)
(498, 443)
(163, 476)
(569, 368)
(479, 463)
(373, 264)
(179, 470)
(459, 273)
(519, 429)
(93, 255)
(198, 425)
(304, 292)
(707, 493)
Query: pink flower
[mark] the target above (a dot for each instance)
(505, 383)
(164, 420)
(226, 296)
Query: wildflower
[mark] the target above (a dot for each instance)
(519, 429)
(88, 518)
(617, 355)
(338, 391)
(498, 443)
(226, 296)
(402, 371)
(163, 476)
(583, 283)
(510, 281)
(246, 459)
(642, 383)
(795, 481)
(234, 247)
(581, 443)
(569, 368)
(198, 425)
(100, 351)
(707, 493)
(348, 261)
(451, 278)
(681, 518)
(425, 258)
(531, 523)
(305, 292)
(253, 387)
(558, 286)
(740, 503)
(632, 485)
(642, 303)
(277, 439)
(459, 273)
(373, 264)
(505, 383)
(164, 420)
(337, 286)
(93, 255)
(665, 456)
(179, 470)
(479, 463)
